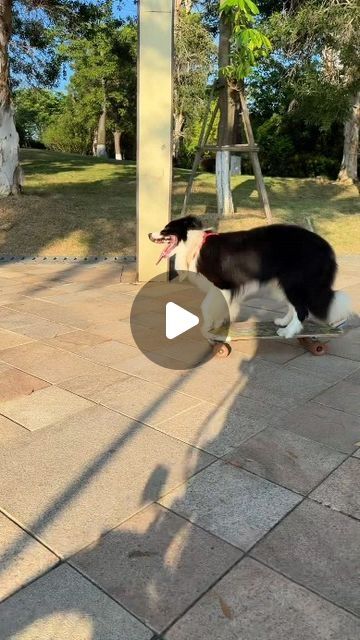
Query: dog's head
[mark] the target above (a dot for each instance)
(174, 234)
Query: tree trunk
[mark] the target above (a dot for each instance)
(178, 125)
(348, 170)
(101, 136)
(117, 144)
(235, 160)
(94, 142)
(235, 165)
(226, 123)
(10, 171)
(186, 4)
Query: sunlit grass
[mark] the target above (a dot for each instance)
(78, 206)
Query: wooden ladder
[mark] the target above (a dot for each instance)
(250, 148)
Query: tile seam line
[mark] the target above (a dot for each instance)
(62, 563)
(322, 404)
(184, 482)
(67, 559)
(128, 518)
(108, 595)
(40, 341)
(24, 586)
(307, 588)
(311, 440)
(340, 379)
(8, 307)
(249, 552)
(57, 385)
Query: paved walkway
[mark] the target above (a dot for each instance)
(140, 502)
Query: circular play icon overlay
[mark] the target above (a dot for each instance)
(168, 320)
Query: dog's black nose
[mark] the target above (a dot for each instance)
(149, 236)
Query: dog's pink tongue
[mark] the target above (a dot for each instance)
(168, 249)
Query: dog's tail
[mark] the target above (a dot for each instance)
(339, 309)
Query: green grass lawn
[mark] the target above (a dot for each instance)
(77, 206)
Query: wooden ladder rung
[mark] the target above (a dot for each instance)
(239, 148)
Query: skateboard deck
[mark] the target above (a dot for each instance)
(246, 330)
(308, 338)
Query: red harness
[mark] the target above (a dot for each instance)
(207, 235)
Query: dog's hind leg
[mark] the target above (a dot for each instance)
(297, 298)
(284, 320)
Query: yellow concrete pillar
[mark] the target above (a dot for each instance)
(154, 129)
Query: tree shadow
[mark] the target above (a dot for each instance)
(146, 564)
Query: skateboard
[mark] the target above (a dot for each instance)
(309, 338)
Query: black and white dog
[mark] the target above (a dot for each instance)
(299, 262)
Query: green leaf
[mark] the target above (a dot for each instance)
(252, 6)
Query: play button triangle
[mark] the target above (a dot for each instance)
(178, 320)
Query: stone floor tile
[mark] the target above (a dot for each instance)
(143, 400)
(343, 396)
(331, 368)
(254, 378)
(140, 365)
(43, 407)
(253, 602)
(26, 558)
(12, 434)
(90, 385)
(354, 378)
(10, 339)
(94, 311)
(156, 564)
(280, 385)
(50, 311)
(318, 548)
(331, 427)
(15, 383)
(90, 473)
(190, 352)
(235, 505)
(270, 350)
(52, 365)
(76, 341)
(118, 330)
(347, 346)
(62, 605)
(30, 325)
(283, 457)
(341, 490)
(111, 353)
(216, 428)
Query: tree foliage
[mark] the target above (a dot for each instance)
(194, 62)
(38, 27)
(103, 72)
(35, 108)
(319, 43)
(248, 43)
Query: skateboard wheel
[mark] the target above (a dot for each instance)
(221, 350)
(320, 349)
(315, 347)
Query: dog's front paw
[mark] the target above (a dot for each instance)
(281, 322)
(289, 331)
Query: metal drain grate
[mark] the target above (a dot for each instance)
(58, 259)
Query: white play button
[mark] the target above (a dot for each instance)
(178, 320)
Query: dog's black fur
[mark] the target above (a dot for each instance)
(302, 262)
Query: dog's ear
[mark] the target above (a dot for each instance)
(194, 223)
